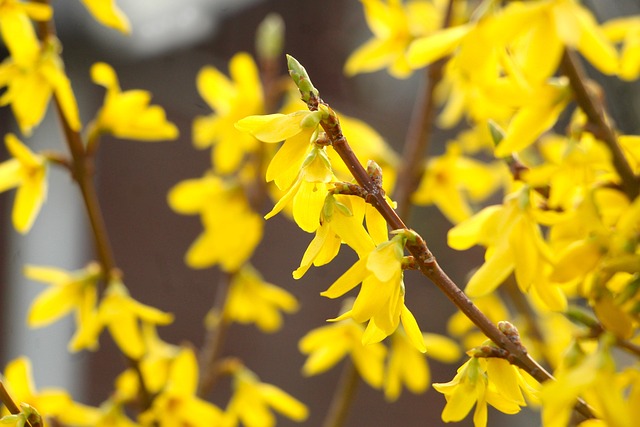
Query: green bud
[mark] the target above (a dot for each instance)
(270, 37)
(301, 79)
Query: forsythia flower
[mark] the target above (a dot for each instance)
(32, 74)
(381, 297)
(395, 24)
(327, 345)
(514, 243)
(231, 101)
(340, 221)
(452, 178)
(484, 381)
(232, 230)
(19, 383)
(15, 25)
(128, 114)
(121, 314)
(409, 366)
(28, 172)
(252, 300)
(109, 414)
(177, 404)
(627, 31)
(253, 401)
(593, 377)
(107, 13)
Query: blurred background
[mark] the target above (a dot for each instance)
(170, 42)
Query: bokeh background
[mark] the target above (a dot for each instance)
(171, 41)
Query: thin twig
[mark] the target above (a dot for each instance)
(602, 128)
(7, 401)
(418, 137)
(342, 399)
(214, 340)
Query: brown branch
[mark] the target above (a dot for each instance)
(7, 401)
(342, 399)
(602, 128)
(416, 246)
(418, 137)
(214, 339)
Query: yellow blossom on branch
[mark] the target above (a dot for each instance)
(480, 382)
(177, 404)
(231, 99)
(27, 172)
(15, 24)
(253, 401)
(31, 75)
(253, 300)
(128, 114)
(329, 344)
(381, 298)
(107, 13)
(395, 24)
(232, 230)
(19, 383)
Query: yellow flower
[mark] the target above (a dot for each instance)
(627, 31)
(128, 114)
(340, 221)
(177, 404)
(592, 376)
(480, 382)
(327, 345)
(19, 383)
(232, 230)
(449, 180)
(395, 24)
(107, 13)
(253, 401)
(27, 172)
(31, 75)
(406, 365)
(381, 298)
(231, 101)
(109, 414)
(513, 240)
(15, 26)
(121, 314)
(252, 300)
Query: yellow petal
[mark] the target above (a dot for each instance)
(29, 199)
(104, 75)
(349, 280)
(425, 50)
(412, 330)
(492, 273)
(107, 13)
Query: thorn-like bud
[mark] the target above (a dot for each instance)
(301, 79)
(270, 37)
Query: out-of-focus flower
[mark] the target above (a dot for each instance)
(107, 13)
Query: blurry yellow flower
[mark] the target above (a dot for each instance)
(19, 383)
(69, 291)
(121, 314)
(593, 377)
(27, 172)
(327, 345)
(232, 230)
(128, 114)
(16, 27)
(480, 382)
(177, 404)
(395, 24)
(107, 13)
(109, 414)
(381, 298)
(253, 401)
(627, 31)
(253, 300)
(451, 179)
(231, 99)
(514, 243)
(31, 75)
(406, 365)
